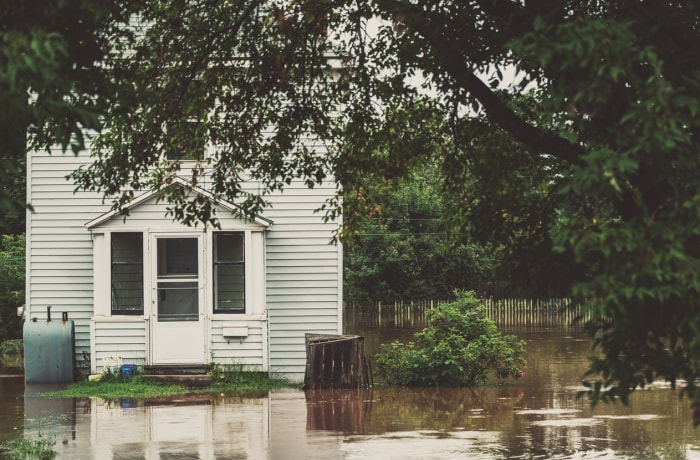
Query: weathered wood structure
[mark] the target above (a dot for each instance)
(336, 361)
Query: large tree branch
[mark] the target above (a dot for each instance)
(454, 64)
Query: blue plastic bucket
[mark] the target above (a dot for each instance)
(127, 403)
(127, 370)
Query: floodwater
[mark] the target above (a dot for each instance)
(536, 417)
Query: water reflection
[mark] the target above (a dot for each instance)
(11, 406)
(538, 416)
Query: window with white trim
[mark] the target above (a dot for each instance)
(192, 137)
(229, 272)
(191, 144)
(127, 273)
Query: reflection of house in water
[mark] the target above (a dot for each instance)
(52, 418)
(205, 428)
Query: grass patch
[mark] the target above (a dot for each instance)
(245, 383)
(11, 347)
(39, 448)
(229, 381)
(137, 387)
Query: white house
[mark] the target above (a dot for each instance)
(150, 291)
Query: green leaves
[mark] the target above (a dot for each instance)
(30, 57)
(587, 184)
(459, 347)
(404, 250)
(55, 83)
(12, 270)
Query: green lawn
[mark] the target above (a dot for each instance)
(140, 387)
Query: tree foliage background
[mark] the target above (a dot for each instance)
(404, 251)
(54, 82)
(11, 285)
(591, 183)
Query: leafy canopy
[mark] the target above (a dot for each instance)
(54, 82)
(11, 285)
(596, 175)
(404, 250)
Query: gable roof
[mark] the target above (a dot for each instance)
(182, 182)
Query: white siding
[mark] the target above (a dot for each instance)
(59, 248)
(303, 278)
(249, 352)
(118, 338)
(302, 274)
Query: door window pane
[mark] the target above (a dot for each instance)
(127, 273)
(177, 258)
(178, 301)
(229, 272)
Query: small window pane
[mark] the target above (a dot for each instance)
(229, 272)
(230, 288)
(177, 258)
(191, 143)
(178, 301)
(229, 247)
(127, 273)
(127, 247)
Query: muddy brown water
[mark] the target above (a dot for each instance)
(537, 417)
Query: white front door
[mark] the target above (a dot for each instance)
(177, 300)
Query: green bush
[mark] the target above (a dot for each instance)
(11, 285)
(459, 347)
(11, 347)
(36, 448)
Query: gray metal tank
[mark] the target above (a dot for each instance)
(49, 350)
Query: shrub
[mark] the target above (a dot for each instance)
(11, 347)
(11, 285)
(459, 347)
(37, 448)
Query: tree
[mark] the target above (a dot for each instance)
(54, 85)
(403, 251)
(611, 141)
(11, 285)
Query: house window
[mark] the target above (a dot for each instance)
(127, 273)
(190, 140)
(229, 272)
(190, 144)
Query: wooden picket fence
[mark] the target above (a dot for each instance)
(505, 312)
(533, 312)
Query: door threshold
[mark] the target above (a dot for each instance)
(176, 369)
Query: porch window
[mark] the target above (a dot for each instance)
(127, 273)
(229, 272)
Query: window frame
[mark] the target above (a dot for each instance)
(242, 263)
(177, 155)
(121, 312)
(195, 130)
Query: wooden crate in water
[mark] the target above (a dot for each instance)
(335, 361)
